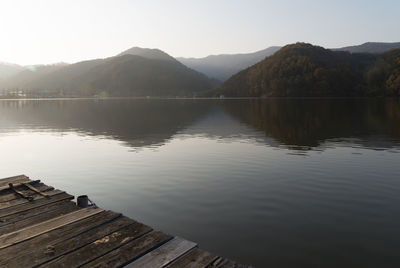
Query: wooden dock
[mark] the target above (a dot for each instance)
(42, 227)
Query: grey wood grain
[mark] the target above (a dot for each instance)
(164, 255)
(34, 204)
(15, 179)
(71, 247)
(41, 217)
(17, 184)
(31, 252)
(195, 258)
(130, 251)
(33, 212)
(10, 195)
(20, 201)
(34, 189)
(18, 236)
(100, 246)
(226, 263)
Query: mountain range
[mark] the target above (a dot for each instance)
(152, 72)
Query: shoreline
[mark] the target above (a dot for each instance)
(190, 98)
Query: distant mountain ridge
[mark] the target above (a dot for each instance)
(224, 66)
(370, 47)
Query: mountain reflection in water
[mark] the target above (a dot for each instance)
(297, 124)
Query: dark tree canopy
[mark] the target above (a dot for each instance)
(304, 70)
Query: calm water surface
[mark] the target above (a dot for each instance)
(277, 183)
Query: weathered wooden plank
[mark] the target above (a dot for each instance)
(17, 184)
(18, 236)
(195, 258)
(10, 195)
(12, 177)
(20, 201)
(164, 255)
(65, 209)
(100, 246)
(226, 263)
(31, 251)
(34, 204)
(16, 179)
(7, 178)
(52, 251)
(130, 251)
(33, 212)
(34, 189)
(19, 193)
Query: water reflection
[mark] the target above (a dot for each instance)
(309, 123)
(298, 124)
(136, 122)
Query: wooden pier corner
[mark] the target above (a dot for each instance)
(42, 227)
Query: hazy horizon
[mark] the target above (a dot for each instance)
(46, 32)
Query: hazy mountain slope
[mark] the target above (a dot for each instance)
(155, 73)
(135, 72)
(302, 70)
(66, 78)
(8, 69)
(370, 47)
(224, 66)
(131, 75)
(23, 78)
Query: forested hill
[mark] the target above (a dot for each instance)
(222, 67)
(304, 70)
(136, 72)
(131, 75)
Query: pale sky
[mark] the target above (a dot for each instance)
(49, 31)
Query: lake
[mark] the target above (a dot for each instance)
(272, 183)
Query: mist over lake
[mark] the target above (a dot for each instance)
(278, 182)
